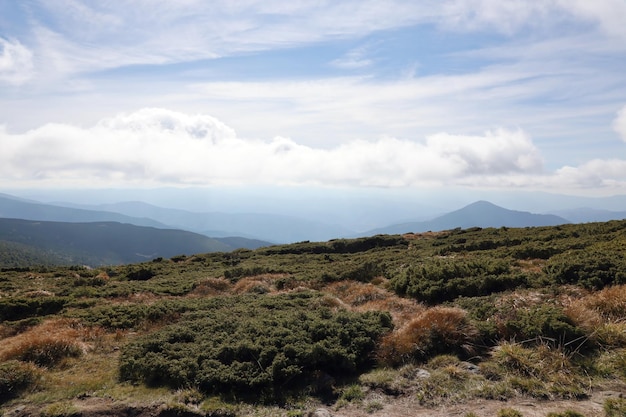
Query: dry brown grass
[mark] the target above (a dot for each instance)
(369, 297)
(541, 372)
(530, 265)
(357, 293)
(211, 287)
(402, 310)
(329, 301)
(436, 330)
(51, 342)
(264, 283)
(609, 302)
(256, 285)
(602, 315)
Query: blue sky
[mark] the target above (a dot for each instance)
(480, 94)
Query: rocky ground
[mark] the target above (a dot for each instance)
(374, 405)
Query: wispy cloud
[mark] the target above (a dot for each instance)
(511, 16)
(619, 124)
(16, 62)
(354, 59)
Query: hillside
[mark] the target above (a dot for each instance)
(98, 243)
(475, 321)
(478, 214)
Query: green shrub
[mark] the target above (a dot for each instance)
(566, 413)
(351, 393)
(509, 412)
(15, 377)
(19, 308)
(544, 323)
(250, 347)
(127, 316)
(442, 280)
(615, 407)
(588, 268)
(141, 274)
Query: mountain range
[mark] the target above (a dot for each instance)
(128, 232)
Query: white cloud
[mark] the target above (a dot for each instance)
(619, 124)
(16, 62)
(594, 174)
(157, 146)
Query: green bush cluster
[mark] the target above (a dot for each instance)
(264, 348)
(592, 269)
(339, 246)
(128, 316)
(442, 280)
(18, 308)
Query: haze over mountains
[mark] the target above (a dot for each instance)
(125, 232)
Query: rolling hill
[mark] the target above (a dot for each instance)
(478, 214)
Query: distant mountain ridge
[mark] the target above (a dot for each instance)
(17, 208)
(261, 226)
(101, 243)
(478, 214)
(587, 215)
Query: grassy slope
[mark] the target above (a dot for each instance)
(489, 314)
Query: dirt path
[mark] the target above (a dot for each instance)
(374, 405)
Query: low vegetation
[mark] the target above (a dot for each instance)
(438, 318)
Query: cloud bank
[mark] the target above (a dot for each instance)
(162, 147)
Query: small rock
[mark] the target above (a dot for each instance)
(422, 374)
(320, 412)
(470, 367)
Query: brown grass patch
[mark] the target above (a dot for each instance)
(252, 285)
(602, 315)
(210, 287)
(357, 293)
(534, 266)
(262, 284)
(436, 330)
(609, 302)
(402, 310)
(50, 343)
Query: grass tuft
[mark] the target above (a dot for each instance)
(437, 330)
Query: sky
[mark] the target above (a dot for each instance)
(366, 94)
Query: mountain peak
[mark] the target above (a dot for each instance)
(478, 214)
(482, 204)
